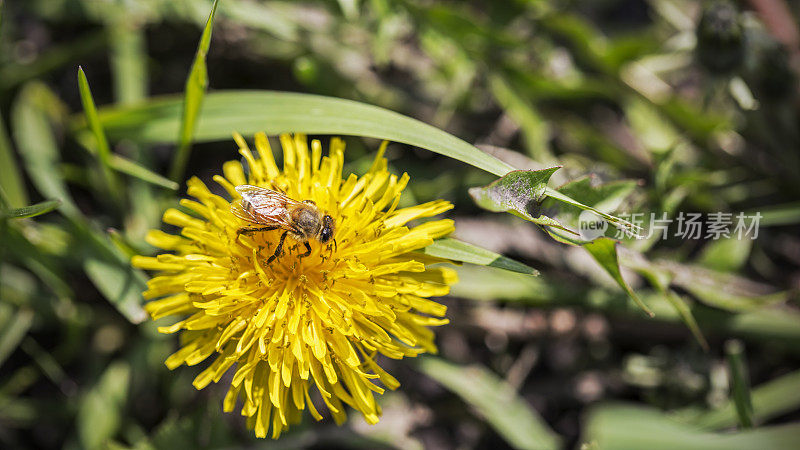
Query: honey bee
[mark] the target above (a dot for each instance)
(272, 210)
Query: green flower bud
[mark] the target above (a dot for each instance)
(720, 39)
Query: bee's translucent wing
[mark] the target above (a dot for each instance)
(242, 211)
(262, 206)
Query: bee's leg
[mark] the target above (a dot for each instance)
(248, 230)
(308, 250)
(332, 248)
(279, 248)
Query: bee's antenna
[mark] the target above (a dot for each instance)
(335, 246)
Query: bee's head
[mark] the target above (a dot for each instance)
(326, 233)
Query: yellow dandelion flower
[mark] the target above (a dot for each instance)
(300, 322)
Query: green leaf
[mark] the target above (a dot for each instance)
(128, 167)
(655, 133)
(686, 315)
(774, 326)
(623, 427)
(13, 330)
(121, 286)
(487, 284)
(522, 192)
(249, 112)
(724, 290)
(606, 197)
(719, 289)
(776, 215)
(128, 58)
(37, 145)
(604, 251)
(38, 260)
(740, 388)
(10, 175)
(100, 413)
(456, 250)
(196, 85)
(661, 279)
(46, 362)
(616, 221)
(133, 169)
(495, 400)
(103, 150)
(109, 270)
(33, 210)
(726, 255)
(771, 399)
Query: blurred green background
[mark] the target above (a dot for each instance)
(675, 106)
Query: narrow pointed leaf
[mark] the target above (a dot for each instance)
(740, 384)
(519, 192)
(128, 167)
(122, 288)
(37, 144)
(771, 399)
(110, 271)
(33, 210)
(661, 280)
(522, 192)
(101, 410)
(249, 112)
(779, 327)
(133, 169)
(89, 108)
(604, 251)
(495, 400)
(10, 175)
(631, 427)
(12, 332)
(616, 221)
(686, 316)
(103, 150)
(456, 250)
(196, 85)
(128, 58)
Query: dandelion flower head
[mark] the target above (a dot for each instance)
(299, 329)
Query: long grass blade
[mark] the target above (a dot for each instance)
(456, 250)
(37, 144)
(133, 169)
(613, 426)
(10, 175)
(604, 251)
(196, 85)
(33, 210)
(740, 389)
(128, 61)
(103, 149)
(495, 400)
(249, 112)
(89, 108)
(14, 331)
(771, 399)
